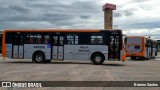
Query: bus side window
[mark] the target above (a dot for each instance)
(72, 39)
(61, 40)
(34, 39)
(31, 39)
(21, 40)
(46, 39)
(96, 40)
(39, 39)
(55, 40)
(15, 40)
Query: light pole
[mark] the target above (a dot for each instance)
(115, 27)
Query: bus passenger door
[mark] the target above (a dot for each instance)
(57, 47)
(114, 47)
(17, 46)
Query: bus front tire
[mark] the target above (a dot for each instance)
(97, 59)
(38, 57)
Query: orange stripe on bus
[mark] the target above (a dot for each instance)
(54, 30)
(3, 46)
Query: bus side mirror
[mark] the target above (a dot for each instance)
(125, 40)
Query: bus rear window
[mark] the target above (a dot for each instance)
(131, 40)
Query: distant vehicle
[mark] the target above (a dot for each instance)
(140, 47)
(64, 44)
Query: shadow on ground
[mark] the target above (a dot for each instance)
(53, 62)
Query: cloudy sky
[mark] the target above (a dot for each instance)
(134, 17)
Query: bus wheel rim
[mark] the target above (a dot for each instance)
(98, 59)
(39, 58)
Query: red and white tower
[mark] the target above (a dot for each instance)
(108, 10)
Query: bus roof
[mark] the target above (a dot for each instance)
(136, 36)
(140, 37)
(56, 30)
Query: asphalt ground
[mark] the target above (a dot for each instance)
(71, 70)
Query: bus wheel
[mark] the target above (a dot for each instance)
(97, 59)
(133, 58)
(39, 57)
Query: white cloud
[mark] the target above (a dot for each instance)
(143, 32)
(134, 17)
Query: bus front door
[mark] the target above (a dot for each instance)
(57, 47)
(114, 47)
(17, 51)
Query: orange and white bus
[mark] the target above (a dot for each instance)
(44, 45)
(140, 47)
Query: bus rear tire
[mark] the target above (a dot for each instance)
(97, 59)
(133, 58)
(38, 57)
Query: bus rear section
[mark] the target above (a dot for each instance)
(135, 47)
(46, 45)
(140, 47)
